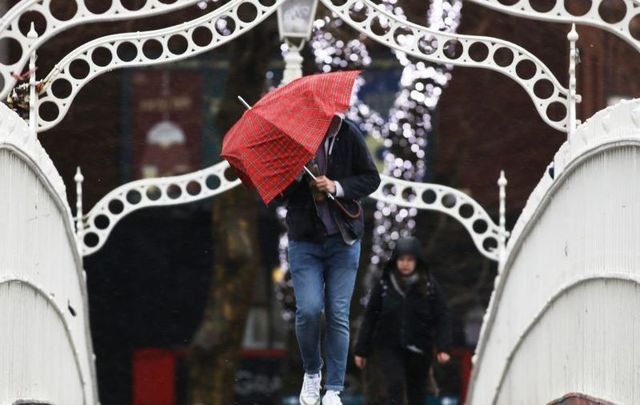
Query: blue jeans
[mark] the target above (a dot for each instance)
(324, 276)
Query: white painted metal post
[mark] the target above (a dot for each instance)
(573, 98)
(33, 94)
(292, 63)
(502, 238)
(79, 178)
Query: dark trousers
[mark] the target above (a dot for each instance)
(404, 371)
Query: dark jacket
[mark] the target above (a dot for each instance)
(350, 164)
(419, 319)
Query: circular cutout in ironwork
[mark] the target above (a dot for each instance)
(556, 111)
(134, 197)
(612, 11)
(101, 221)
(152, 49)
(202, 36)
(403, 36)
(193, 188)
(427, 44)
(79, 69)
(453, 49)
(132, 5)
(127, 51)
(48, 111)
(98, 7)
(115, 206)
(449, 200)
(38, 20)
(225, 26)
(177, 44)
(429, 196)
(91, 239)
(213, 182)
(101, 56)
(480, 226)
(490, 243)
(230, 174)
(503, 57)
(9, 58)
(526, 69)
(389, 189)
(358, 12)
(174, 191)
(247, 12)
(543, 89)
(543, 6)
(509, 2)
(379, 26)
(63, 10)
(409, 194)
(578, 8)
(61, 88)
(478, 51)
(466, 211)
(634, 27)
(153, 193)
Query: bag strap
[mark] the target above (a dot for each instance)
(355, 215)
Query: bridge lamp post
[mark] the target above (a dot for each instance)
(295, 20)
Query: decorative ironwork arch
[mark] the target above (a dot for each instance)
(145, 48)
(9, 26)
(164, 191)
(439, 47)
(591, 15)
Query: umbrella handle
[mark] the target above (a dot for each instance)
(342, 207)
(314, 177)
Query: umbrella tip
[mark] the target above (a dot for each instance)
(244, 102)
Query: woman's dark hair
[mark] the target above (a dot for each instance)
(411, 246)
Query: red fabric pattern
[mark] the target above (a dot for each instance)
(274, 139)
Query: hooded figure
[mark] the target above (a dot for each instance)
(407, 316)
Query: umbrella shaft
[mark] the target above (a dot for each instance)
(314, 177)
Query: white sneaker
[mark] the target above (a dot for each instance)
(332, 398)
(310, 393)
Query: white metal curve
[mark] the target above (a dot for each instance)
(9, 26)
(61, 317)
(559, 13)
(614, 128)
(20, 144)
(100, 221)
(216, 23)
(434, 46)
(15, 133)
(436, 197)
(162, 191)
(553, 299)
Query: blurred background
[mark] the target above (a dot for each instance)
(176, 312)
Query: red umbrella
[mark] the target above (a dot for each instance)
(275, 138)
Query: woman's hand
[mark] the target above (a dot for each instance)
(443, 357)
(360, 361)
(323, 183)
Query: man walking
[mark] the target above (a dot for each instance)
(324, 252)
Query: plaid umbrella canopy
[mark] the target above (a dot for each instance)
(275, 138)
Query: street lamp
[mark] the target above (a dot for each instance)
(295, 20)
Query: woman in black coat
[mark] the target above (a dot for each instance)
(407, 316)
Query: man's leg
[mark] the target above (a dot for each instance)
(305, 264)
(341, 266)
